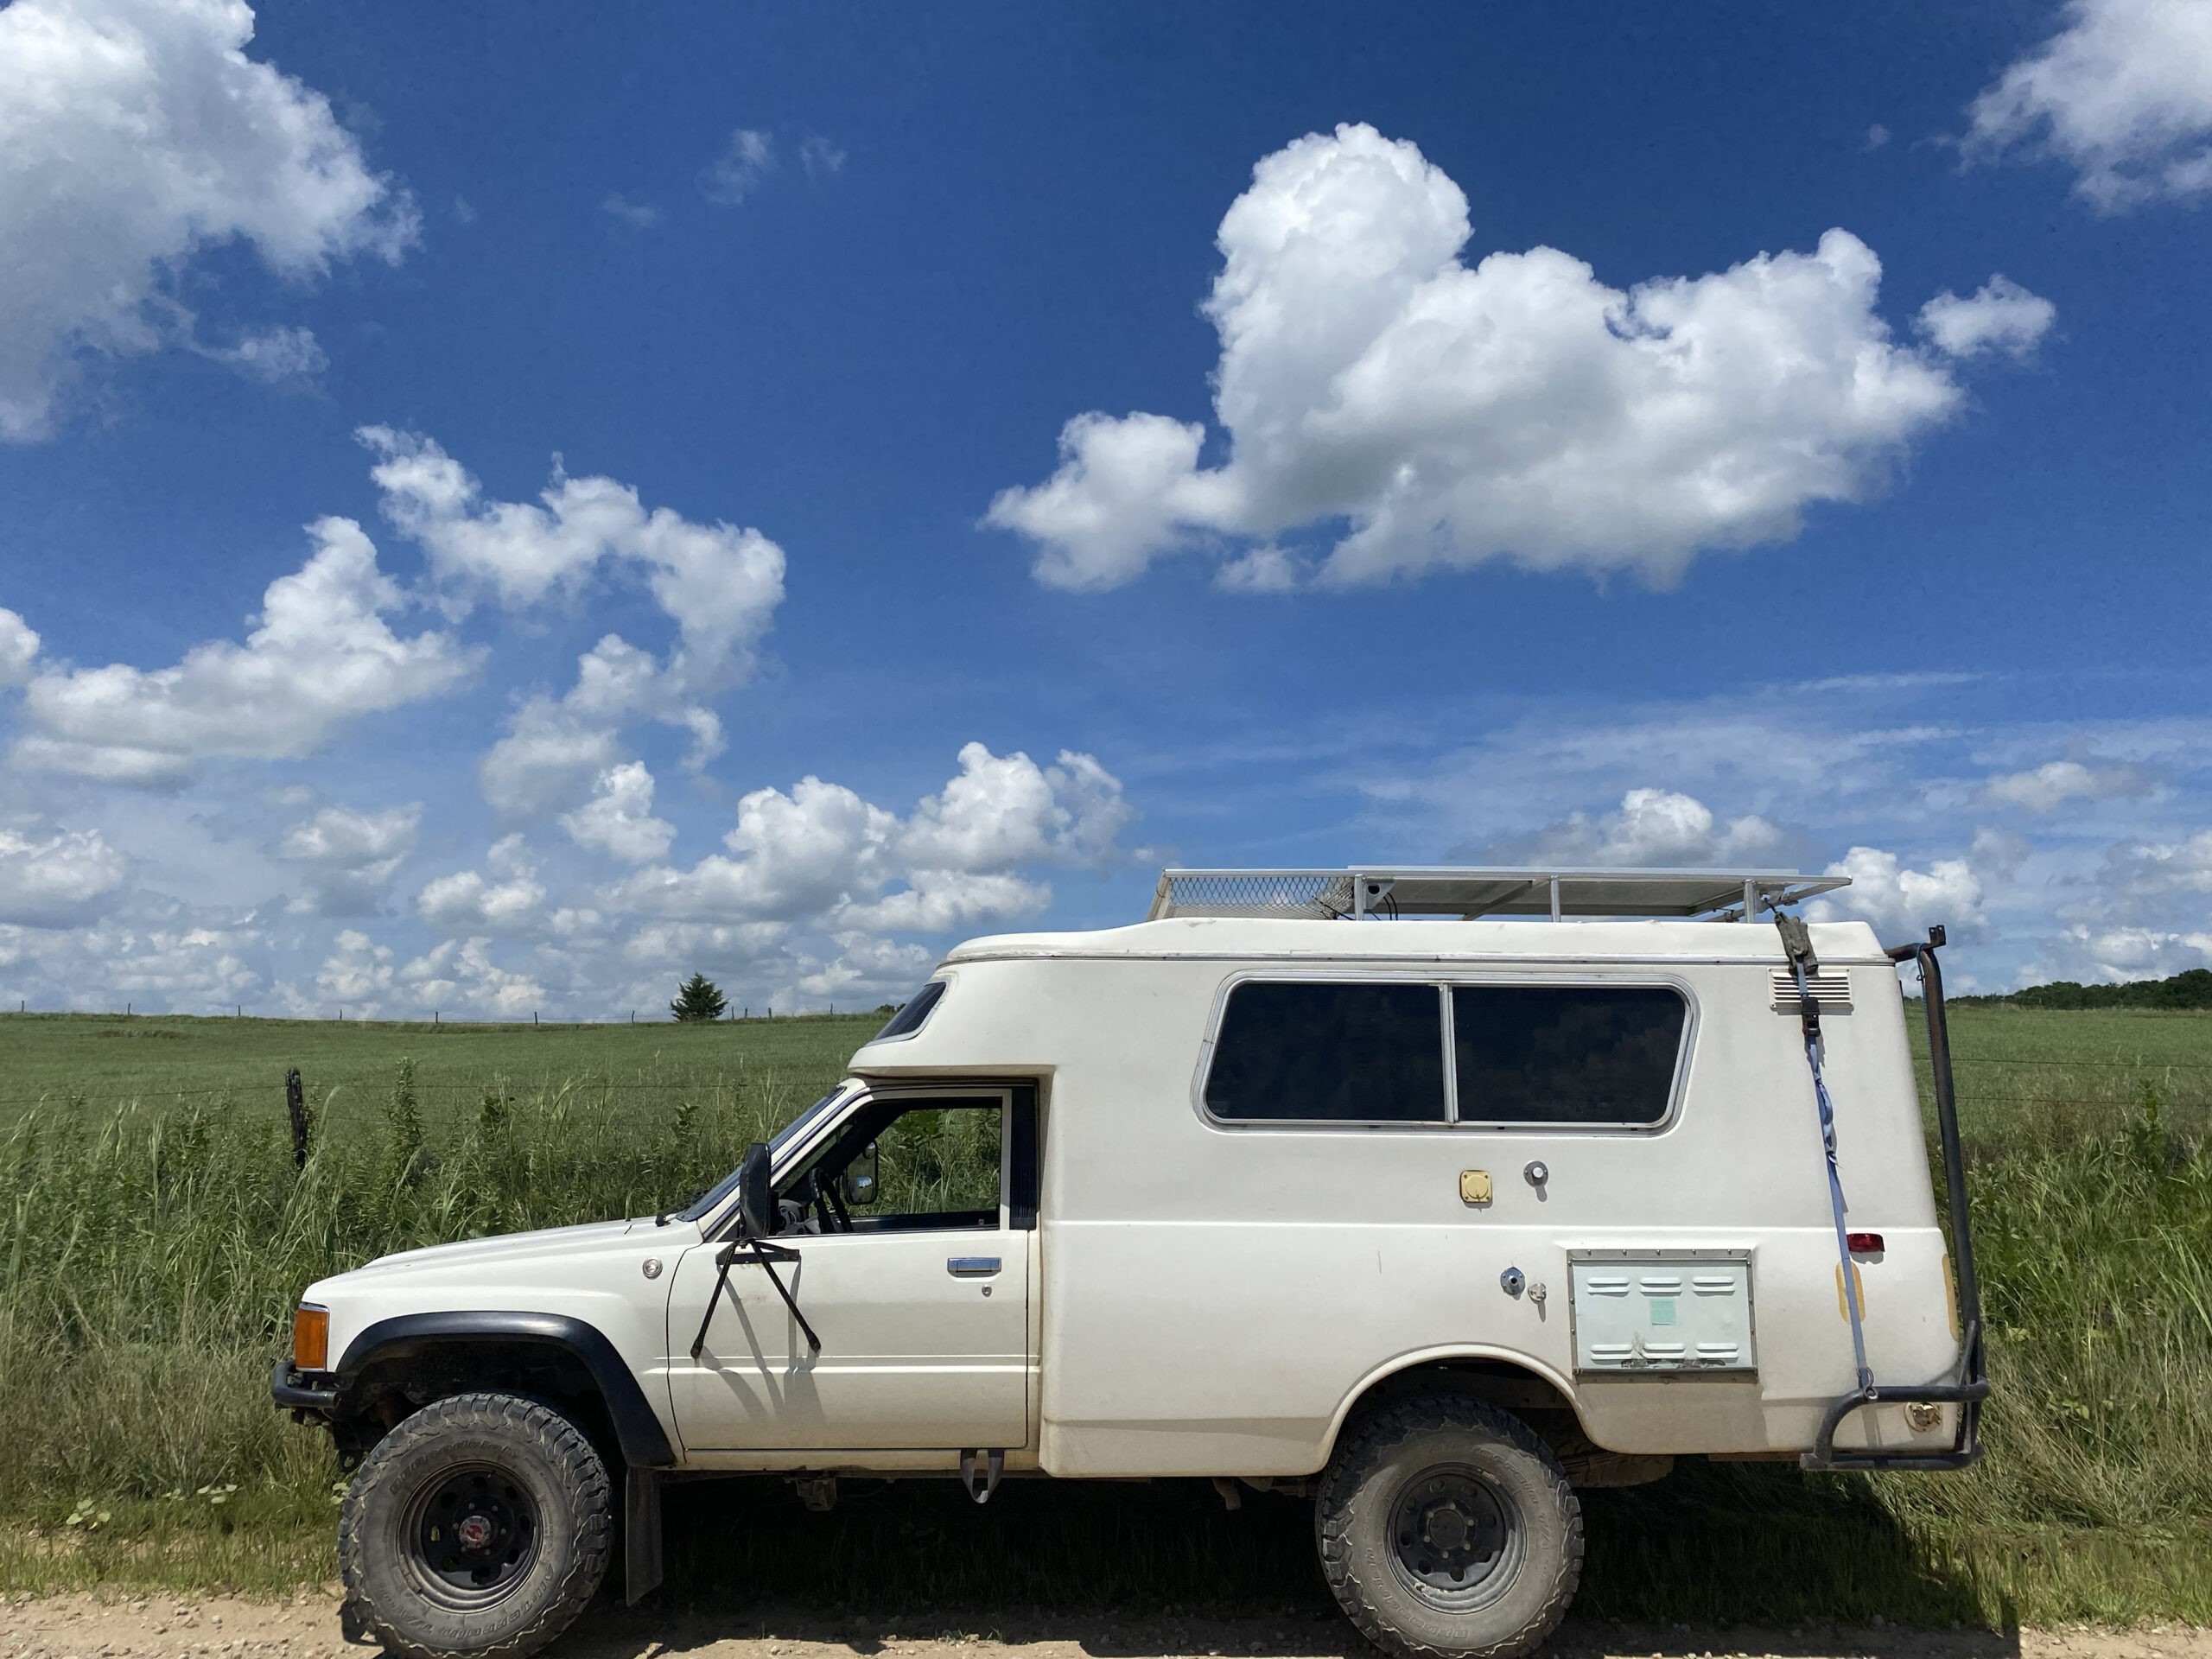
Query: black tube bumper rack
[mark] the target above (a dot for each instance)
(1971, 1387)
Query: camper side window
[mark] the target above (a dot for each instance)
(1565, 1053)
(1310, 1053)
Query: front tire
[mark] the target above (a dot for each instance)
(1448, 1531)
(481, 1526)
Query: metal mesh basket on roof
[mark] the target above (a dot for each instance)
(1261, 893)
(1470, 891)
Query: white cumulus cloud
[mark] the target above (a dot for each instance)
(720, 584)
(18, 649)
(745, 161)
(140, 947)
(272, 356)
(2145, 913)
(2154, 868)
(1516, 408)
(824, 851)
(356, 974)
(555, 748)
(796, 854)
(864, 968)
(322, 654)
(1006, 811)
(2048, 787)
(462, 974)
(2000, 315)
(2122, 92)
(619, 818)
(133, 134)
(638, 215)
(510, 899)
(1903, 903)
(1655, 829)
(52, 881)
(351, 856)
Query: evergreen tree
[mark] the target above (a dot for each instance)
(698, 999)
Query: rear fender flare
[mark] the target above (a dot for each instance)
(1421, 1358)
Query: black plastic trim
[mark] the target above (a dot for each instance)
(289, 1390)
(1023, 1160)
(643, 1441)
(641, 1550)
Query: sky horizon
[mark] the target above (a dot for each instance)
(503, 509)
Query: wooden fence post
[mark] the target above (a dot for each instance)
(297, 1106)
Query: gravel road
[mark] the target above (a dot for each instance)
(307, 1627)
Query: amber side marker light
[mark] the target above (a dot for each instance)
(311, 1339)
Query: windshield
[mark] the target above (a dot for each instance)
(705, 1203)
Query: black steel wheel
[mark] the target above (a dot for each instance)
(482, 1527)
(472, 1537)
(1446, 1530)
(1457, 1539)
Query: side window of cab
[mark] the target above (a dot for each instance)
(942, 1163)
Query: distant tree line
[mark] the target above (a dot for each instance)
(2192, 989)
(700, 1001)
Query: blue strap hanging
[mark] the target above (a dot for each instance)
(1797, 941)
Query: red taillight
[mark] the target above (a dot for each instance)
(1864, 1244)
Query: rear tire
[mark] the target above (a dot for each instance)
(1448, 1531)
(480, 1526)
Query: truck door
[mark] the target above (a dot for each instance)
(911, 1227)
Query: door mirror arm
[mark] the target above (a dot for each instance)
(756, 1208)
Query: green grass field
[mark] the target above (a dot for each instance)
(100, 1063)
(154, 1232)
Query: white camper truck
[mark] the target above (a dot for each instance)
(1426, 1195)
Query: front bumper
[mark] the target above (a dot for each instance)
(296, 1390)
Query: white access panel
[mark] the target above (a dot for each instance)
(1663, 1310)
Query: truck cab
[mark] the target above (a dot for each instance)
(1429, 1196)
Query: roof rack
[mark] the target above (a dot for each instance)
(1469, 891)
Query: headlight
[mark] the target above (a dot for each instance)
(311, 1337)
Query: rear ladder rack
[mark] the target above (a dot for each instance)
(1973, 1385)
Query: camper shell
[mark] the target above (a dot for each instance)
(1240, 1191)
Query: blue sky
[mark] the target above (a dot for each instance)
(776, 491)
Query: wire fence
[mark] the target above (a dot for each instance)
(2131, 1070)
(573, 1081)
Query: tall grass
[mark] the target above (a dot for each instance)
(153, 1254)
(2095, 1254)
(151, 1251)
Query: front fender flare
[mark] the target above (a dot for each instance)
(643, 1441)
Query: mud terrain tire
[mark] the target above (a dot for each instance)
(480, 1526)
(1448, 1531)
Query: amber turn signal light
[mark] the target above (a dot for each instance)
(311, 1339)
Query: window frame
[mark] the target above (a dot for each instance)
(944, 982)
(1018, 1103)
(1445, 984)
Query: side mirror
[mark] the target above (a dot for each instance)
(858, 1182)
(756, 1199)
